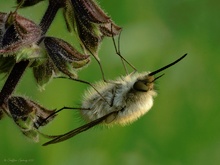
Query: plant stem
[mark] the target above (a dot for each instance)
(19, 68)
(12, 80)
(49, 16)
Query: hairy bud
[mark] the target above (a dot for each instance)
(28, 115)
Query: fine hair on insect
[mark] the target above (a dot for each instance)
(120, 101)
(117, 50)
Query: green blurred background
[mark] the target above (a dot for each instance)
(182, 128)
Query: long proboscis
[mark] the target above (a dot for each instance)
(167, 66)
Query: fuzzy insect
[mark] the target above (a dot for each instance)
(119, 102)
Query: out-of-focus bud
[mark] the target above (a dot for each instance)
(28, 115)
(90, 22)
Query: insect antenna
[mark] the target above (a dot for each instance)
(167, 66)
(19, 5)
(118, 52)
(100, 65)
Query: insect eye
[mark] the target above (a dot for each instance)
(140, 86)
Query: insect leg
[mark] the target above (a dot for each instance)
(117, 50)
(88, 83)
(59, 110)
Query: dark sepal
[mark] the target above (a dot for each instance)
(63, 55)
(28, 115)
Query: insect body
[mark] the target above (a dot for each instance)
(119, 102)
(131, 96)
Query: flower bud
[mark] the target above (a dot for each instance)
(28, 115)
(90, 23)
(61, 58)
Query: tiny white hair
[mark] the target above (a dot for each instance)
(118, 95)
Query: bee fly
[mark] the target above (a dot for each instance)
(122, 101)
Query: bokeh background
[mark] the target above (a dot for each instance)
(183, 127)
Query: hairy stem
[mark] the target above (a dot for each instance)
(12, 80)
(49, 16)
(20, 67)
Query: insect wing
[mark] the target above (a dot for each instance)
(68, 135)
